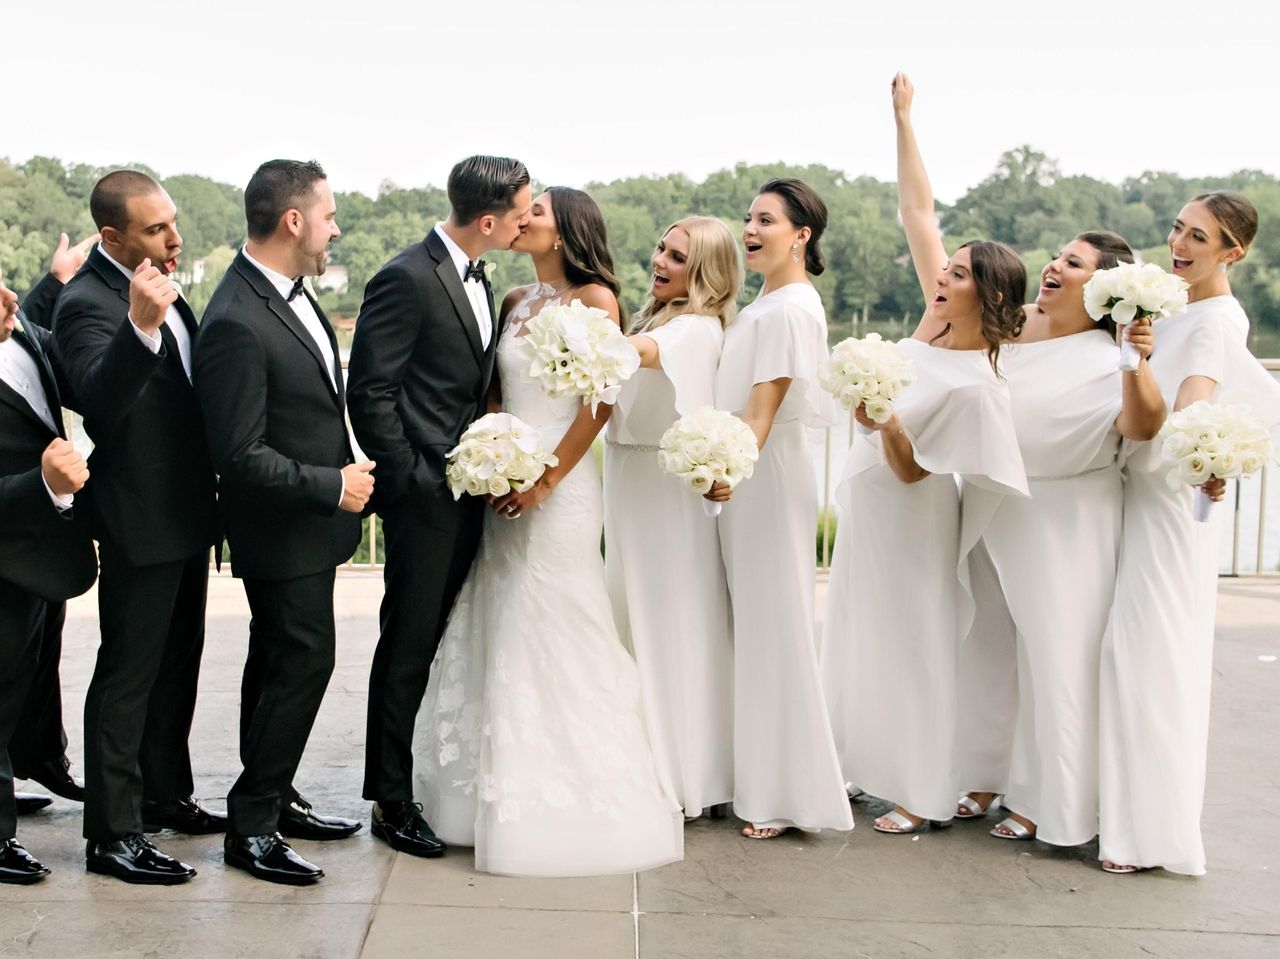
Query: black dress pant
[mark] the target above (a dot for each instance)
(291, 655)
(426, 565)
(40, 736)
(141, 700)
(21, 623)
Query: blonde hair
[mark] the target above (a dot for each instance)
(713, 270)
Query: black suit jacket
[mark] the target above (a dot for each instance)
(153, 491)
(40, 302)
(418, 373)
(276, 428)
(42, 551)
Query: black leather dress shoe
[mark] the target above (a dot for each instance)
(55, 776)
(182, 815)
(401, 826)
(19, 866)
(28, 803)
(134, 859)
(299, 821)
(269, 857)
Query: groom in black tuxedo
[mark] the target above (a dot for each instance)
(123, 334)
(269, 378)
(419, 375)
(46, 555)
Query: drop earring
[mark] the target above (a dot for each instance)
(556, 245)
(795, 252)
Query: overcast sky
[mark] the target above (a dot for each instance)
(580, 90)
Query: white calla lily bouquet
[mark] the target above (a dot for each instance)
(1206, 440)
(1133, 291)
(870, 372)
(577, 350)
(498, 453)
(706, 447)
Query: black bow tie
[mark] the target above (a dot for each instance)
(296, 291)
(475, 271)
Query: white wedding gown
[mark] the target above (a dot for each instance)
(530, 744)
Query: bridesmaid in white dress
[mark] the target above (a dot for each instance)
(786, 773)
(662, 554)
(1157, 657)
(1055, 553)
(531, 740)
(897, 608)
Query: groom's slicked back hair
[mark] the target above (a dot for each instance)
(109, 201)
(484, 184)
(275, 188)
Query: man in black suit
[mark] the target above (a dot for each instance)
(269, 379)
(124, 334)
(46, 555)
(38, 749)
(419, 374)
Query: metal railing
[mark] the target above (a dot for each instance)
(824, 540)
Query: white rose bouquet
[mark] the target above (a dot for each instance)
(578, 350)
(1205, 440)
(870, 372)
(708, 446)
(1131, 292)
(498, 453)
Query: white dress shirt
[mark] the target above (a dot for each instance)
(172, 319)
(303, 310)
(475, 289)
(19, 371)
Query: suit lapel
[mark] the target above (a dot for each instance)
(284, 312)
(111, 274)
(47, 382)
(448, 274)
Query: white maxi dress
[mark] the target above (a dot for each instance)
(1054, 555)
(531, 744)
(1157, 657)
(786, 773)
(897, 607)
(666, 578)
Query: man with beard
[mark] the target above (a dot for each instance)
(270, 384)
(124, 336)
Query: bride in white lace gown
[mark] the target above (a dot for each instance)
(530, 744)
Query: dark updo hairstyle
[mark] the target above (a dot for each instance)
(1001, 281)
(1237, 218)
(804, 208)
(581, 227)
(1112, 250)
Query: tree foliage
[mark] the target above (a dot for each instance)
(1026, 201)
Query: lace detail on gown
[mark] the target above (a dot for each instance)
(530, 743)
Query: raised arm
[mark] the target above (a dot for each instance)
(915, 205)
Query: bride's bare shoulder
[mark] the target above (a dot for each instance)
(599, 296)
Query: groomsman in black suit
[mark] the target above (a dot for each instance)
(124, 336)
(38, 749)
(269, 379)
(46, 555)
(420, 369)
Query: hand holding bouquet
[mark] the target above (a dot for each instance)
(498, 453)
(870, 372)
(706, 447)
(577, 350)
(1131, 292)
(1205, 440)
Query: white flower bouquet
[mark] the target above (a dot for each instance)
(870, 372)
(1131, 292)
(578, 350)
(498, 453)
(1206, 440)
(708, 446)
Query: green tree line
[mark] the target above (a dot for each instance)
(1026, 202)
